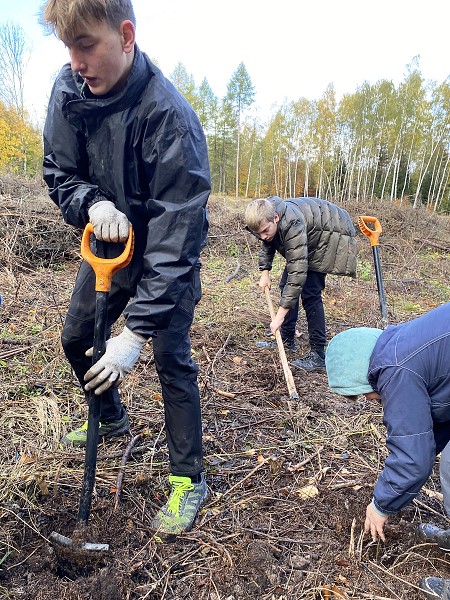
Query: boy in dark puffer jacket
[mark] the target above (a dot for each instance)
(315, 237)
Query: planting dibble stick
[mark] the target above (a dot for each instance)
(287, 371)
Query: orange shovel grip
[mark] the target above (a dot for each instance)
(105, 268)
(372, 234)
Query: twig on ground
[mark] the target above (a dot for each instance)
(240, 482)
(306, 461)
(234, 273)
(123, 462)
(224, 394)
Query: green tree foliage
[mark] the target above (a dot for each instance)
(240, 95)
(207, 106)
(184, 82)
(380, 141)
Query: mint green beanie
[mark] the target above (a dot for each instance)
(347, 360)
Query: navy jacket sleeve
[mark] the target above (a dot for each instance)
(410, 439)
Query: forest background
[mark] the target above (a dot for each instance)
(380, 141)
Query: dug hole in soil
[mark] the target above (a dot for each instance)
(289, 480)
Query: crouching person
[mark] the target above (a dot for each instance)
(406, 367)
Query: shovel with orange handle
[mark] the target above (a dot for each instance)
(104, 269)
(373, 235)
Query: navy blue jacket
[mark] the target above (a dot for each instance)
(410, 369)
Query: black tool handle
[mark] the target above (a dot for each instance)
(380, 287)
(90, 461)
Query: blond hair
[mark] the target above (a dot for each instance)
(65, 18)
(257, 211)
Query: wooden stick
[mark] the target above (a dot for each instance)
(123, 462)
(287, 371)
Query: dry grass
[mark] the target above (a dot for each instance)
(259, 535)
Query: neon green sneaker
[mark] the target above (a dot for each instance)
(78, 437)
(179, 512)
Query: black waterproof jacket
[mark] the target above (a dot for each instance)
(144, 149)
(312, 234)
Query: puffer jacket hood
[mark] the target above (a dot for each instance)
(312, 234)
(143, 149)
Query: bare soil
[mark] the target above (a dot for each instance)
(289, 480)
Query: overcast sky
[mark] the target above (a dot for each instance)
(290, 48)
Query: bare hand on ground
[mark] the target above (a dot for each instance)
(374, 523)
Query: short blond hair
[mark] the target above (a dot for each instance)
(257, 211)
(65, 18)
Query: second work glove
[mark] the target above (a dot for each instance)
(110, 225)
(120, 356)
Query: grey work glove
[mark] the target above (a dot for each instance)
(110, 225)
(120, 356)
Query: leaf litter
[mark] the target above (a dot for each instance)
(289, 482)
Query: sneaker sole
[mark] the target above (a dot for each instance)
(116, 432)
(429, 593)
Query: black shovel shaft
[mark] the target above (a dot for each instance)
(380, 286)
(90, 462)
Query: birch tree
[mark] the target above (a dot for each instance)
(325, 136)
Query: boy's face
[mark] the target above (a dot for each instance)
(373, 396)
(102, 56)
(268, 230)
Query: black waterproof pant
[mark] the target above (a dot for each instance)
(176, 369)
(313, 305)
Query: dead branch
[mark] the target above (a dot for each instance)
(234, 273)
(123, 462)
(433, 244)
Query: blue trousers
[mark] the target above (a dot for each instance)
(311, 298)
(176, 369)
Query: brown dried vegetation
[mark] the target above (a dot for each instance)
(259, 535)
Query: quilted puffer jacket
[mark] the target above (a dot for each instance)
(312, 234)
